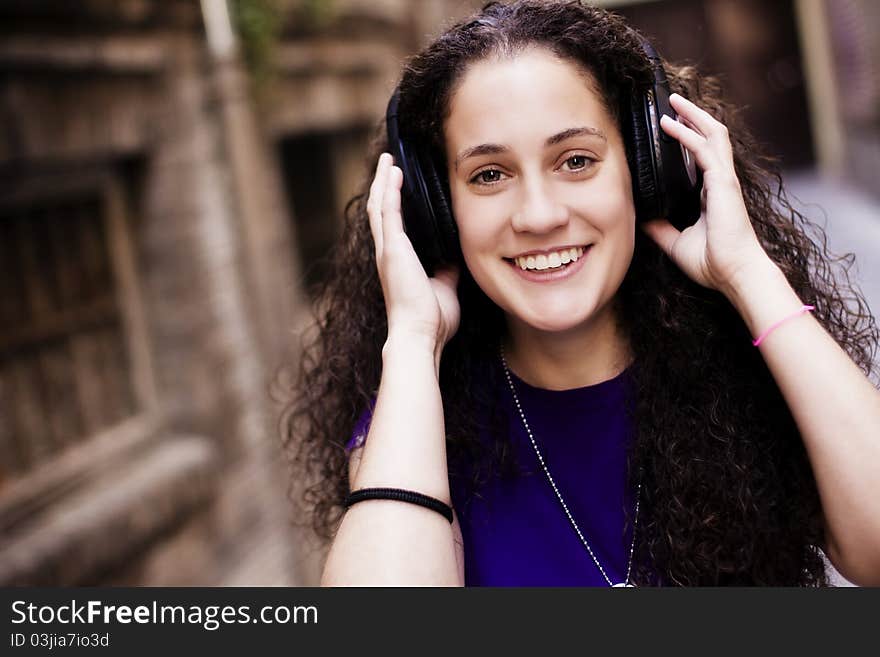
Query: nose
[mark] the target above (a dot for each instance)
(539, 211)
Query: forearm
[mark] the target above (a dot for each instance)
(837, 410)
(389, 542)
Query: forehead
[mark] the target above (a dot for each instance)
(534, 93)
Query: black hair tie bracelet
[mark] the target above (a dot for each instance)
(399, 495)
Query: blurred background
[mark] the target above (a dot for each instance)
(172, 173)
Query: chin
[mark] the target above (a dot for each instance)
(554, 322)
(555, 326)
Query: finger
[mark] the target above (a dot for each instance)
(684, 121)
(691, 140)
(375, 199)
(704, 122)
(392, 222)
(663, 233)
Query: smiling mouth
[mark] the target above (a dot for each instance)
(549, 261)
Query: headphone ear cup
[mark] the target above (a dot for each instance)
(646, 188)
(424, 196)
(666, 180)
(438, 193)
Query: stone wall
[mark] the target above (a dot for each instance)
(189, 490)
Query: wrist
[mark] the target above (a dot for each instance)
(761, 296)
(751, 279)
(411, 346)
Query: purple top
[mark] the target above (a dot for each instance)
(514, 529)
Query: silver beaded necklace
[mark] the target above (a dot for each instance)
(577, 530)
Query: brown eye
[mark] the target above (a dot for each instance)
(488, 177)
(578, 162)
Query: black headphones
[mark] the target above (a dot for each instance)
(666, 180)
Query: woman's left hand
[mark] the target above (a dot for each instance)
(722, 244)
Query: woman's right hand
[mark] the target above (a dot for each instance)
(417, 306)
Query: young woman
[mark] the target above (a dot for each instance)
(582, 384)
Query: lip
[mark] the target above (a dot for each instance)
(554, 275)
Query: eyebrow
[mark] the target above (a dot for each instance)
(492, 149)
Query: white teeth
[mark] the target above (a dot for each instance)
(550, 260)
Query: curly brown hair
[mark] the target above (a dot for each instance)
(728, 494)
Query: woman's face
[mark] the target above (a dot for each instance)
(540, 189)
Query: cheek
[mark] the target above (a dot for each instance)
(614, 216)
(479, 258)
(479, 243)
(473, 235)
(622, 234)
(615, 213)
(477, 230)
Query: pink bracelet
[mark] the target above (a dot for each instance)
(803, 309)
